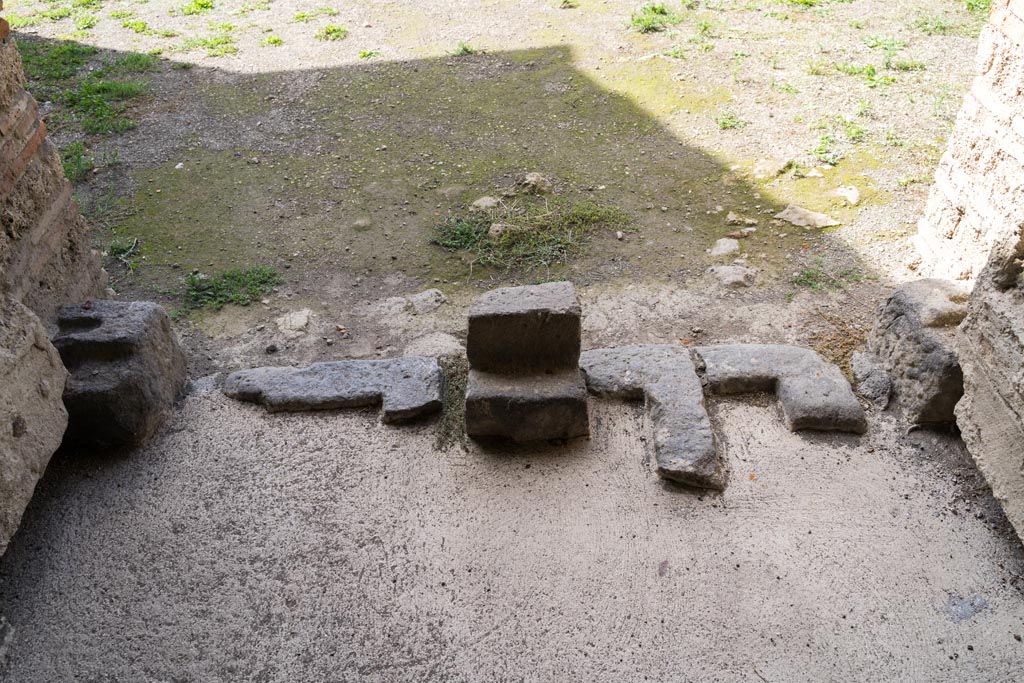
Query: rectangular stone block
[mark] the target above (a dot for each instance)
(535, 408)
(525, 329)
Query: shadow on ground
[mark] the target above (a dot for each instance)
(338, 175)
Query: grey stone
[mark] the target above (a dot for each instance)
(532, 408)
(813, 393)
(804, 218)
(32, 414)
(406, 388)
(725, 246)
(766, 169)
(664, 377)
(990, 344)
(126, 368)
(521, 330)
(913, 335)
(485, 204)
(734, 277)
(873, 381)
(427, 301)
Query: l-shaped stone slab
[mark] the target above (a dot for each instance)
(406, 388)
(813, 392)
(665, 378)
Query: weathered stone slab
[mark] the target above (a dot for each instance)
(406, 388)
(519, 330)
(813, 393)
(990, 343)
(126, 368)
(664, 376)
(913, 336)
(533, 408)
(32, 414)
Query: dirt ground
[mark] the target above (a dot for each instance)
(333, 160)
(330, 548)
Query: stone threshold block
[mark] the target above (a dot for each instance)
(814, 393)
(522, 330)
(127, 371)
(664, 377)
(406, 388)
(527, 408)
(914, 338)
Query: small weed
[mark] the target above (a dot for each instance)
(196, 7)
(892, 139)
(76, 164)
(784, 87)
(464, 49)
(235, 286)
(136, 25)
(933, 24)
(331, 32)
(981, 8)
(369, 54)
(705, 29)
(857, 24)
(535, 233)
(303, 17)
(728, 119)
(22, 20)
(249, 7)
(907, 65)
(122, 14)
(215, 46)
(870, 73)
(84, 22)
(123, 250)
(568, 4)
(56, 13)
(825, 149)
(675, 52)
(273, 39)
(885, 43)
(653, 17)
(818, 67)
(854, 131)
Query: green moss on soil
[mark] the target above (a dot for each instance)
(388, 137)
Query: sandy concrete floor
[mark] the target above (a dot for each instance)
(242, 546)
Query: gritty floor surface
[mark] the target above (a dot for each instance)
(243, 546)
(323, 548)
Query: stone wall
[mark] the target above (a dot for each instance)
(991, 349)
(45, 261)
(45, 258)
(972, 230)
(976, 201)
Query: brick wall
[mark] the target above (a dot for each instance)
(45, 254)
(977, 201)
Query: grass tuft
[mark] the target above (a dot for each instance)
(76, 164)
(534, 234)
(235, 286)
(331, 32)
(653, 17)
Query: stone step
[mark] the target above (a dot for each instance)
(527, 408)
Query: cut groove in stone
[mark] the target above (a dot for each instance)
(406, 388)
(813, 393)
(664, 376)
